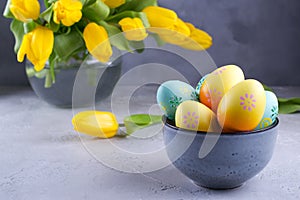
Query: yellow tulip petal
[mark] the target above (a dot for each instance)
(68, 12)
(102, 52)
(133, 28)
(72, 18)
(114, 3)
(97, 42)
(37, 45)
(32, 7)
(42, 42)
(181, 27)
(160, 17)
(178, 35)
(24, 48)
(18, 14)
(96, 123)
(190, 26)
(25, 10)
(39, 64)
(199, 40)
(72, 4)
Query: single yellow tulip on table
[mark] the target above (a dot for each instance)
(104, 124)
(96, 123)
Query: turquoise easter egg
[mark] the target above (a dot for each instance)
(200, 83)
(271, 111)
(172, 93)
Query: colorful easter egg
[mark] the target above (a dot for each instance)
(196, 116)
(271, 111)
(218, 83)
(172, 93)
(243, 106)
(200, 83)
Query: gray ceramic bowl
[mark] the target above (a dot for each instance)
(234, 159)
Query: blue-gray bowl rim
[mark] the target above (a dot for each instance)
(171, 124)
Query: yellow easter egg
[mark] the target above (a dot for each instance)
(218, 83)
(196, 116)
(243, 106)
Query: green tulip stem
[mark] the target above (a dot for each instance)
(52, 72)
(48, 80)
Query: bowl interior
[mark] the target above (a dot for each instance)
(171, 124)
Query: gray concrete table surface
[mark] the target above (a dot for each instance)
(42, 157)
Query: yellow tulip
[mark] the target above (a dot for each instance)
(159, 17)
(133, 29)
(97, 42)
(177, 35)
(68, 12)
(38, 46)
(198, 40)
(25, 10)
(96, 123)
(166, 24)
(114, 3)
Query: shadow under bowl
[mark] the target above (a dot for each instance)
(234, 159)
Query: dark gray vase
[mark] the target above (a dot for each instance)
(60, 93)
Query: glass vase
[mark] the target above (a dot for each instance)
(59, 93)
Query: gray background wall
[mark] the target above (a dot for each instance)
(262, 36)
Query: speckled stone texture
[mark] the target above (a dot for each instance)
(43, 158)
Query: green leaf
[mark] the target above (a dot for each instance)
(140, 121)
(48, 80)
(116, 37)
(47, 14)
(289, 100)
(267, 88)
(41, 74)
(52, 60)
(30, 72)
(29, 26)
(7, 12)
(53, 26)
(96, 12)
(132, 14)
(88, 3)
(158, 40)
(66, 45)
(287, 106)
(46, 3)
(138, 46)
(17, 29)
(137, 5)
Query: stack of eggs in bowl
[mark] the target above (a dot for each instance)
(237, 113)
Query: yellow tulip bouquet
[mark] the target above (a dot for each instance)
(67, 27)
